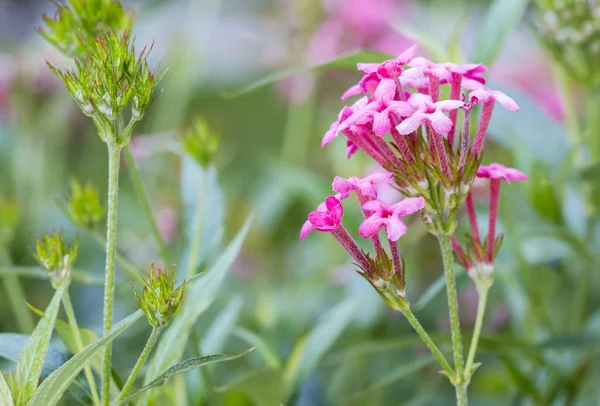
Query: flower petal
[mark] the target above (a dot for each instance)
(306, 229)
(408, 205)
(505, 101)
(381, 123)
(412, 123)
(440, 123)
(447, 105)
(374, 206)
(371, 226)
(352, 91)
(386, 90)
(395, 228)
(342, 186)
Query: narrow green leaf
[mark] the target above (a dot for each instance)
(184, 366)
(501, 17)
(198, 297)
(78, 276)
(265, 350)
(53, 387)
(521, 380)
(11, 345)
(216, 336)
(6, 398)
(345, 61)
(31, 360)
(264, 387)
(434, 289)
(406, 369)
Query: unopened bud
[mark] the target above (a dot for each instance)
(83, 205)
(55, 257)
(201, 142)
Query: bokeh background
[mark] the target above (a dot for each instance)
(542, 330)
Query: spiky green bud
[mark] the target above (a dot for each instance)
(56, 257)
(201, 142)
(83, 205)
(160, 297)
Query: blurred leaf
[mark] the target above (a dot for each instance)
(33, 354)
(544, 249)
(434, 289)
(406, 369)
(37, 272)
(204, 207)
(53, 387)
(543, 196)
(6, 398)
(268, 354)
(11, 345)
(265, 387)
(575, 341)
(430, 44)
(198, 298)
(345, 61)
(216, 336)
(184, 366)
(591, 173)
(500, 18)
(325, 334)
(523, 382)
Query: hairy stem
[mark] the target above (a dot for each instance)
(457, 347)
(138, 188)
(131, 269)
(68, 306)
(114, 157)
(140, 362)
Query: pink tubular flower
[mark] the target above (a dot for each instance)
(428, 112)
(382, 107)
(484, 95)
(366, 185)
(327, 217)
(387, 216)
(499, 171)
(338, 125)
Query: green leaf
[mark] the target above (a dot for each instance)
(265, 350)
(6, 398)
(325, 333)
(184, 366)
(264, 387)
(216, 336)
(197, 299)
(434, 289)
(406, 369)
(345, 61)
(201, 196)
(38, 273)
(501, 17)
(575, 341)
(521, 379)
(31, 360)
(51, 390)
(11, 345)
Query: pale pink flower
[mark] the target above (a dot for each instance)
(481, 94)
(387, 216)
(366, 185)
(337, 125)
(327, 217)
(444, 71)
(499, 171)
(428, 112)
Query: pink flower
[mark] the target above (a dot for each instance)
(351, 149)
(393, 68)
(444, 71)
(366, 185)
(499, 171)
(387, 216)
(481, 94)
(367, 84)
(337, 125)
(428, 112)
(327, 217)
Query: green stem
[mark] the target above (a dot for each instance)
(16, 298)
(195, 246)
(114, 157)
(138, 188)
(68, 306)
(131, 269)
(483, 290)
(457, 347)
(140, 362)
(427, 340)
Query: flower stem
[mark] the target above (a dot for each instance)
(138, 187)
(483, 294)
(131, 269)
(140, 362)
(16, 298)
(197, 231)
(68, 306)
(114, 157)
(457, 347)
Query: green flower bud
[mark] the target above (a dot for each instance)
(77, 23)
(160, 298)
(55, 257)
(201, 142)
(83, 205)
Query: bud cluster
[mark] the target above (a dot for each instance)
(200, 142)
(109, 80)
(83, 205)
(160, 297)
(77, 23)
(55, 257)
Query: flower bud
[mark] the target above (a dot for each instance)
(201, 142)
(83, 205)
(160, 298)
(55, 257)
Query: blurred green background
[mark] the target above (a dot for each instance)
(542, 330)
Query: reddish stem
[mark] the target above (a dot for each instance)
(465, 137)
(454, 95)
(460, 254)
(368, 148)
(438, 141)
(397, 262)
(484, 122)
(494, 200)
(341, 234)
(386, 150)
(472, 217)
(434, 88)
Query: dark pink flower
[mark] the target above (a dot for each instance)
(327, 217)
(428, 112)
(366, 185)
(351, 149)
(387, 216)
(499, 171)
(337, 125)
